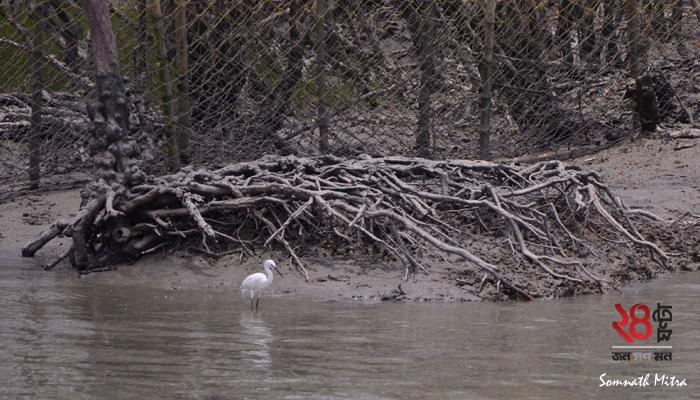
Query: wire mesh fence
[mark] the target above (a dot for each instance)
(213, 82)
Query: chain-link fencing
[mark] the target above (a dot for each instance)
(213, 82)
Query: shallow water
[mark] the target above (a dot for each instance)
(62, 337)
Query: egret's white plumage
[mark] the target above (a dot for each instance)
(255, 284)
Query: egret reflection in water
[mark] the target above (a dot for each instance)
(257, 338)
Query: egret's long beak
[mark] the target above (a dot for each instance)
(278, 271)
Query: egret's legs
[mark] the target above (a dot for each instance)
(256, 303)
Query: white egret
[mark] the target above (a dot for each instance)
(255, 284)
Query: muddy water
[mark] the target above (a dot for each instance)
(61, 337)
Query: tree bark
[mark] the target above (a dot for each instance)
(140, 76)
(184, 109)
(35, 134)
(633, 49)
(486, 95)
(103, 43)
(166, 91)
(421, 16)
(322, 13)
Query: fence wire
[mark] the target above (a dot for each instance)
(225, 81)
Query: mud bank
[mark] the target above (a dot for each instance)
(648, 174)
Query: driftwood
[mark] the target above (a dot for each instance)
(686, 133)
(552, 218)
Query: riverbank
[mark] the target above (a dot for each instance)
(648, 174)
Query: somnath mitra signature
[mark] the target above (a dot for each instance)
(644, 381)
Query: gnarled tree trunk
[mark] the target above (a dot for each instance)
(114, 152)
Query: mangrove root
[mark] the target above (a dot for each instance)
(552, 219)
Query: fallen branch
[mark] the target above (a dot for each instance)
(686, 133)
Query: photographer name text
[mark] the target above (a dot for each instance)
(643, 381)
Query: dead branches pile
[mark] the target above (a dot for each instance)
(552, 219)
(62, 111)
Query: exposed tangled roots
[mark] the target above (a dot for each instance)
(548, 217)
